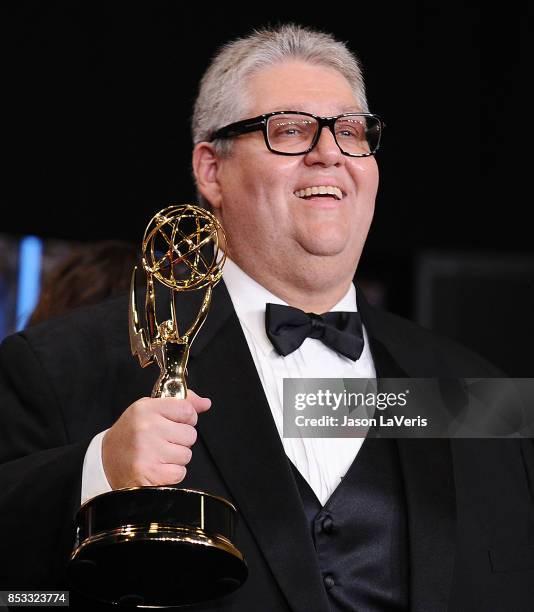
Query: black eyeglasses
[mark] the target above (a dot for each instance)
(297, 133)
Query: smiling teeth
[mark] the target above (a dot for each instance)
(319, 190)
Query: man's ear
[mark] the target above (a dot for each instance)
(205, 169)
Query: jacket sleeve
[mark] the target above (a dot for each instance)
(40, 473)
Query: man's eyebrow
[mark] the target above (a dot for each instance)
(352, 109)
(305, 108)
(293, 107)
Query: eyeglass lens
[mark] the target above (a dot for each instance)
(355, 135)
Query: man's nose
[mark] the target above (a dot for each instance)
(326, 150)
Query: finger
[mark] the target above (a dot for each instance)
(177, 454)
(200, 404)
(180, 433)
(170, 473)
(177, 410)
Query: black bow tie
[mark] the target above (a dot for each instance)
(288, 327)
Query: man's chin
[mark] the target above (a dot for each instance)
(320, 239)
(325, 248)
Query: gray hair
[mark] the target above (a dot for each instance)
(221, 98)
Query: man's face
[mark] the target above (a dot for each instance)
(270, 225)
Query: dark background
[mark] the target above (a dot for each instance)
(99, 95)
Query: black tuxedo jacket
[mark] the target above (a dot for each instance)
(469, 502)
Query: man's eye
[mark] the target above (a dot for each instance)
(287, 129)
(352, 130)
(284, 128)
(291, 129)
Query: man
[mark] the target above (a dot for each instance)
(424, 525)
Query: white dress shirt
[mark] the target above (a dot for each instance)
(321, 461)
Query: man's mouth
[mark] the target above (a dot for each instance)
(327, 191)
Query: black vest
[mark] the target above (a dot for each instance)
(360, 535)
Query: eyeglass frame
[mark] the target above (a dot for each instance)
(254, 124)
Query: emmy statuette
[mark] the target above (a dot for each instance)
(162, 546)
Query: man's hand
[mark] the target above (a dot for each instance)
(150, 444)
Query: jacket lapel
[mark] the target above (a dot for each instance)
(428, 480)
(258, 474)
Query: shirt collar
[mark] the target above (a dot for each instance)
(249, 299)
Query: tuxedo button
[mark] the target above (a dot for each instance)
(327, 525)
(329, 581)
